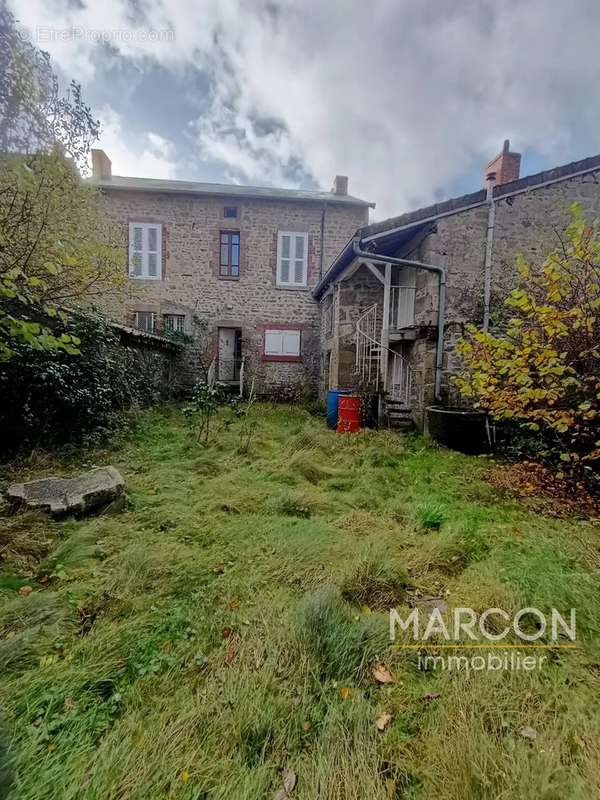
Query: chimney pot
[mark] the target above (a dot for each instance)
(101, 165)
(505, 166)
(340, 184)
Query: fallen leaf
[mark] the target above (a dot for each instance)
(366, 610)
(431, 696)
(383, 721)
(231, 654)
(382, 674)
(44, 579)
(25, 591)
(306, 726)
(185, 776)
(226, 632)
(289, 782)
(345, 692)
(528, 733)
(233, 605)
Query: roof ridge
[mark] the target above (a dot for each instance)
(225, 189)
(461, 202)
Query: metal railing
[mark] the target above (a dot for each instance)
(242, 371)
(400, 381)
(402, 307)
(369, 361)
(367, 348)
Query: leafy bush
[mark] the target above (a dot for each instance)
(543, 370)
(51, 397)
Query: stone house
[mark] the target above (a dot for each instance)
(396, 298)
(231, 267)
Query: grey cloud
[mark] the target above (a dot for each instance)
(405, 97)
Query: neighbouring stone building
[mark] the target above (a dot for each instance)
(232, 267)
(380, 298)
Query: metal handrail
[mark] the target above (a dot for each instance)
(369, 350)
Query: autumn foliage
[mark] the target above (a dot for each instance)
(541, 369)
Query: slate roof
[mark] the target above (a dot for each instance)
(233, 191)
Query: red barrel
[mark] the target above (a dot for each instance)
(348, 414)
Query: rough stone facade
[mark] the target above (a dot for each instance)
(190, 284)
(526, 225)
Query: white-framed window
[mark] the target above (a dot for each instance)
(292, 258)
(174, 323)
(145, 321)
(282, 343)
(145, 250)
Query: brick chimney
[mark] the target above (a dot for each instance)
(101, 166)
(340, 184)
(506, 166)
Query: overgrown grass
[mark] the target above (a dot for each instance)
(222, 629)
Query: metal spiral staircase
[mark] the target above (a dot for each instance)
(381, 369)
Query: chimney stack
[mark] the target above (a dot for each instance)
(340, 184)
(101, 166)
(505, 167)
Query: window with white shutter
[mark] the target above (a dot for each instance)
(145, 250)
(292, 259)
(282, 343)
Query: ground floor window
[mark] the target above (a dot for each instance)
(282, 343)
(145, 321)
(175, 323)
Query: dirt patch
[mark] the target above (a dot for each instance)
(547, 491)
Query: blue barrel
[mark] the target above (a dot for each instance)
(333, 399)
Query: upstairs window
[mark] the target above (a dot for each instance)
(292, 259)
(229, 261)
(175, 323)
(145, 321)
(145, 250)
(282, 344)
(230, 212)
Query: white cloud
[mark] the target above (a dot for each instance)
(152, 156)
(405, 97)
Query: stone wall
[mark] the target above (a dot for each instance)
(156, 360)
(191, 285)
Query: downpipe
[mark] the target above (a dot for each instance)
(489, 244)
(441, 273)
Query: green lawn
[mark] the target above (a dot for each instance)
(220, 632)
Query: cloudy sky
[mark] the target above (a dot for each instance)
(409, 98)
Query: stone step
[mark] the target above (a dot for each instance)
(403, 425)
